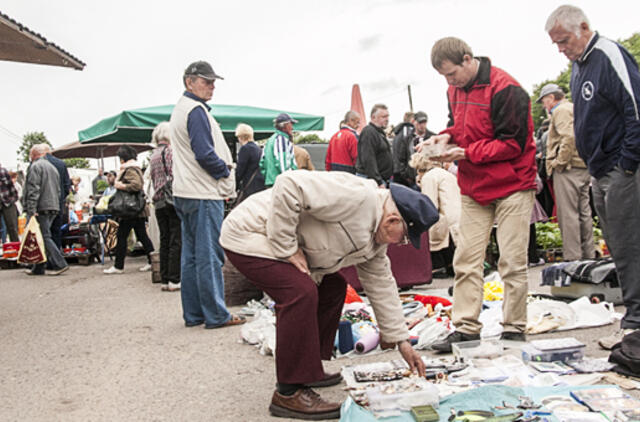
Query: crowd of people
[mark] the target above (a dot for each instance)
(291, 230)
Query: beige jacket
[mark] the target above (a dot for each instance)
(442, 188)
(561, 142)
(332, 217)
(303, 158)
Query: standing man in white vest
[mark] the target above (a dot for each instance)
(203, 179)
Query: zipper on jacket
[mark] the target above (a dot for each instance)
(355, 248)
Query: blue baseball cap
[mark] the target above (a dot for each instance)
(416, 209)
(284, 118)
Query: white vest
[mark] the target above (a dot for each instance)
(190, 180)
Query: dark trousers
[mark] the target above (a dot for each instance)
(616, 196)
(56, 231)
(170, 243)
(10, 215)
(139, 227)
(307, 315)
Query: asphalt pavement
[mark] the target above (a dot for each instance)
(84, 346)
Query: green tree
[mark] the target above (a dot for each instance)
(77, 163)
(29, 140)
(311, 138)
(632, 44)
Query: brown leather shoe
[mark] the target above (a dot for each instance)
(303, 404)
(327, 381)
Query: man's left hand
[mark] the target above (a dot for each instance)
(453, 154)
(412, 358)
(300, 261)
(119, 185)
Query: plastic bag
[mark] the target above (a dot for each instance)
(32, 249)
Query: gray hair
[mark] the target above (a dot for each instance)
(190, 77)
(40, 149)
(377, 107)
(569, 17)
(161, 133)
(350, 115)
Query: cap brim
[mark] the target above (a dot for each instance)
(210, 77)
(415, 237)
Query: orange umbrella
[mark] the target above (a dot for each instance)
(358, 107)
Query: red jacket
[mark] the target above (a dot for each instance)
(492, 121)
(342, 151)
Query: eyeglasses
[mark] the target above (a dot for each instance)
(405, 234)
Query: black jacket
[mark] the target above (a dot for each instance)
(374, 155)
(248, 160)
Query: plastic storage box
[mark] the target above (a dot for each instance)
(551, 350)
(477, 349)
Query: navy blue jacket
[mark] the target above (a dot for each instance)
(605, 88)
(248, 161)
(65, 180)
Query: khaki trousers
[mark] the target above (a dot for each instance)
(512, 215)
(574, 213)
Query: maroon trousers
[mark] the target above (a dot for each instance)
(307, 315)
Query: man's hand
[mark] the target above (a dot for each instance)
(119, 185)
(453, 154)
(412, 358)
(299, 261)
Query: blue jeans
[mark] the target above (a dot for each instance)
(202, 287)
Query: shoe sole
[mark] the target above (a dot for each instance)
(58, 272)
(282, 412)
(325, 383)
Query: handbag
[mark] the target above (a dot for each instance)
(125, 204)
(167, 189)
(242, 195)
(32, 249)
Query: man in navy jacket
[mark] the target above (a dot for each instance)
(605, 87)
(65, 187)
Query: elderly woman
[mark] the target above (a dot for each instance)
(168, 220)
(130, 180)
(442, 188)
(248, 176)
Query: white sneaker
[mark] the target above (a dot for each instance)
(113, 270)
(608, 342)
(145, 268)
(171, 287)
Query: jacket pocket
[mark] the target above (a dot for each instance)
(227, 186)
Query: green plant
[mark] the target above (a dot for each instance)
(77, 163)
(548, 235)
(101, 185)
(311, 138)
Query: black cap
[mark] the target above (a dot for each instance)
(202, 69)
(112, 172)
(284, 118)
(420, 117)
(416, 209)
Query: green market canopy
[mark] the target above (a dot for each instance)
(137, 125)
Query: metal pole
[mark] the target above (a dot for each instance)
(410, 99)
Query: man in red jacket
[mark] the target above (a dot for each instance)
(343, 146)
(491, 126)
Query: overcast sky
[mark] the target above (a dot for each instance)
(298, 56)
